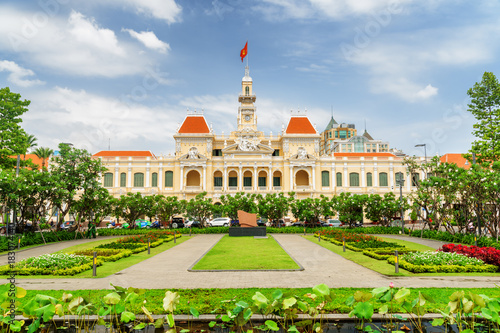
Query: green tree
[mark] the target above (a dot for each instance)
(13, 139)
(239, 201)
(44, 154)
(350, 207)
(200, 207)
(169, 206)
(274, 206)
(76, 171)
(130, 207)
(485, 106)
(311, 210)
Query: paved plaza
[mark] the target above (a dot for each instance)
(169, 269)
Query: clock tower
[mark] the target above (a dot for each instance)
(246, 112)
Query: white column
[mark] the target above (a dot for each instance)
(147, 178)
(292, 185)
(375, 175)
(160, 177)
(225, 180)
(117, 177)
(391, 176)
(346, 183)
(204, 178)
(313, 171)
(363, 177)
(129, 177)
(240, 182)
(182, 178)
(255, 177)
(270, 179)
(333, 177)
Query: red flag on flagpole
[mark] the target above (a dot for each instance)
(244, 51)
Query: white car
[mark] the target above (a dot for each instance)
(220, 222)
(332, 223)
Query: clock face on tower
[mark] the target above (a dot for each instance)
(247, 118)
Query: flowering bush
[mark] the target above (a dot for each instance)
(54, 261)
(440, 258)
(139, 239)
(489, 255)
(358, 240)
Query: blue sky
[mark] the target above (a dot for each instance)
(123, 72)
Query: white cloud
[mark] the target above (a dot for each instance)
(149, 39)
(89, 120)
(166, 10)
(403, 67)
(76, 45)
(17, 74)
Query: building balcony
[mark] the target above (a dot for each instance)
(218, 188)
(262, 188)
(247, 188)
(232, 188)
(303, 187)
(193, 188)
(277, 188)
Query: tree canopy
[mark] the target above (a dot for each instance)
(485, 106)
(13, 139)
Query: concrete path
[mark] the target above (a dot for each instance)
(169, 269)
(435, 244)
(48, 248)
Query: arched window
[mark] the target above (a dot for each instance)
(262, 180)
(415, 179)
(354, 179)
(399, 177)
(108, 179)
(154, 180)
(277, 178)
(339, 178)
(369, 179)
(382, 179)
(325, 178)
(193, 178)
(233, 179)
(123, 179)
(247, 90)
(218, 179)
(138, 179)
(169, 179)
(247, 179)
(302, 178)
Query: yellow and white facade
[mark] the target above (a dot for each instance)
(251, 161)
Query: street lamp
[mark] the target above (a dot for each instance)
(400, 181)
(425, 153)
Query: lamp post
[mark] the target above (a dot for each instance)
(400, 181)
(425, 153)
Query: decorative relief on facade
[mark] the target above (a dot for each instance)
(209, 145)
(193, 153)
(301, 153)
(177, 145)
(316, 145)
(247, 143)
(285, 146)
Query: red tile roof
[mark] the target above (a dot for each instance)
(457, 159)
(300, 125)
(364, 155)
(124, 153)
(194, 124)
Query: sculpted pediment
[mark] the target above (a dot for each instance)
(193, 155)
(257, 149)
(302, 155)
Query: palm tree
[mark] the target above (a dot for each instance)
(44, 153)
(31, 144)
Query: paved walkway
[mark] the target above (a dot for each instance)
(169, 269)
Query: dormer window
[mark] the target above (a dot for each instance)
(247, 91)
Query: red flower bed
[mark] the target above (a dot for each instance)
(489, 255)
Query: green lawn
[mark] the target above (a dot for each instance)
(382, 266)
(246, 253)
(107, 268)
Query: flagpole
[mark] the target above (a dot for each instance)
(247, 53)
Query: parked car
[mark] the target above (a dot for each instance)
(177, 222)
(235, 222)
(142, 224)
(261, 223)
(67, 225)
(192, 224)
(332, 223)
(220, 222)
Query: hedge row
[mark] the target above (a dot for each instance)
(5, 270)
(443, 268)
(105, 254)
(35, 238)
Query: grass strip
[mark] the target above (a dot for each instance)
(208, 301)
(382, 266)
(108, 268)
(246, 253)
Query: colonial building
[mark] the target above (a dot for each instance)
(251, 161)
